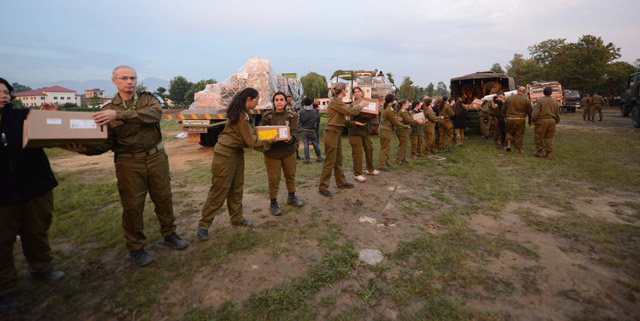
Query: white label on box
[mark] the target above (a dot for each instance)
(282, 132)
(82, 124)
(370, 106)
(54, 121)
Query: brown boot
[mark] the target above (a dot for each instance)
(419, 154)
(538, 153)
(548, 155)
(413, 156)
(518, 151)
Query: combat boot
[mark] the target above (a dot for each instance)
(538, 153)
(548, 156)
(293, 200)
(275, 209)
(202, 234)
(518, 151)
(141, 257)
(175, 241)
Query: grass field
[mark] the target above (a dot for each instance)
(482, 235)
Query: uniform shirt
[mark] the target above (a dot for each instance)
(281, 149)
(485, 109)
(238, 136)
(585, 102)
(546, 107)
(337, 111)
(388, 119)
(446, 112)
(431, 117)
(517, 106)
(406, 120)
(597, 100)
(136, 128)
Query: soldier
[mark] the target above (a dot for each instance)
(388, 120)
(336, 113)
(142, 165)
(545, 117)
(445, 125)
(26, 202)
(281, 154)
(515, 109)
(429, 126)
(498, 122)
(416, 132)
(483, 113)
(403, 133)
(585, 104)
(596, 106)
(359, 139)
(227, 167)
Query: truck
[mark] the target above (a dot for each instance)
(630, 99)
(571, 100)
(477, 86)
(534, 91)
(204, 120)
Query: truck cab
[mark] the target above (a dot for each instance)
(534, 91)
(571, 100)
(630, 99)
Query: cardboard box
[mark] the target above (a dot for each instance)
(281, 133)
(476, 104)
(419, 116)
(51, 128)
(372, 108)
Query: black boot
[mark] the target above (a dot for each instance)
(275, 209)
(141, 257)
(293, 200)
(175, 241)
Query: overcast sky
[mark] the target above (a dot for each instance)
(429, 41)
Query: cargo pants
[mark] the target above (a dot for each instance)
(285, 165)
(544, 131)
(586, 113)
(403, 140)
(385, 146)
(484, 125)
(596, 108)
(333, 158)
(430, 133)
(358, 143)
(515, 131)
(227, 183)
(445, 129)
(416, 145)
(30, 220)
(137, 176)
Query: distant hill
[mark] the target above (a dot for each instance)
(105, 84)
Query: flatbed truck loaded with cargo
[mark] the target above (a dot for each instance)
(204, 120)
(478, 86)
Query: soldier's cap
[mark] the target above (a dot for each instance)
(547, 91)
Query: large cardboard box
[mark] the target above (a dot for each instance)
(51, 128)
(280, 133)
(419, 116)
(371, 108)
(476, 104)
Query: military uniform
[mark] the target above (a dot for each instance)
(416, 136)
(336, 112)
(281, 155)
(388, 120)
(483, 113)
(495, 118)
(545, 116)
(585, 103)
(403, 135)
(446, 126)
(596, 106)
(359, 139)
(141, 164)
(516, 109)
(227, 171)
(429, 130)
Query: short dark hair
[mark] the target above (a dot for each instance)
(547, 91)
(388, 99)
(307, 101)
(238, 108)
(354, 89)
(11, 90)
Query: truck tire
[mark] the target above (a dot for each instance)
(635, 116)
(573, 109)
(624, 111)
(210, 138)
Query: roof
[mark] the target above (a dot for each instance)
(40, 92)
(481, 75)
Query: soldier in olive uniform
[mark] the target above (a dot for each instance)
(388, 120)
(403, 133)
(545, 116)
(483, 113)
(445, 125)
(359, 139)
(585, 104)
(336, 121)
(596, 106)
(429, 126)
(227, 168)
(133, 121)
(516, 109)
(416, 131)
(281, 155)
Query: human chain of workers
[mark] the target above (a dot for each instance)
(142, 166)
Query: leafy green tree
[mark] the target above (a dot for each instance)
(431, 90)
(94, 101)
(17, 103)
(616, 76)
(420, 92)
(141, 87)
(199, 86)
(390, 77)
(20, 88)
(160, 91)
(522, 70)
(497, 68)
(441, 89)
(637, 64)
(314, 85)
(406, 89)
(178, 87)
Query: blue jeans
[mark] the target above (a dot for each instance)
(313, 137)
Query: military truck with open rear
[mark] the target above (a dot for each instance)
(476, 86)
(630, 99)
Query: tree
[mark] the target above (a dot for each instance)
(390, 76)
(199, 86)
(160, 91)
(431, 90)
(522, 70)
(20, 88)
(94, 101)
(497, 68)
(178, 87)
(616, 76)
(637, 63)
(420, 92)
(314, 85)
(141, 87)
(17, 103)
(441, 89)
(406, 89)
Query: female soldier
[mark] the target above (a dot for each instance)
(459, 121)
(430, 126)
(445, 125)
(359, 139)
(416, 132)
(388, 120)
(227, 168)
(336, 121)
(403, 133)
(281, 155)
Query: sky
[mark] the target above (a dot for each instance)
(430, 41)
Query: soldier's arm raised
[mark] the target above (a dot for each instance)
(149, 111)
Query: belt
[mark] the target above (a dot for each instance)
(334, 127)
(308, 130)
(159, 147)
(516, 118)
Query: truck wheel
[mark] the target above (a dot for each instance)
(624, 111)
(573, 109)
(635, 116)
(210, 138)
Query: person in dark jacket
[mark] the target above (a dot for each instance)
(26, 202)
(459, 121)
(309, 121)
